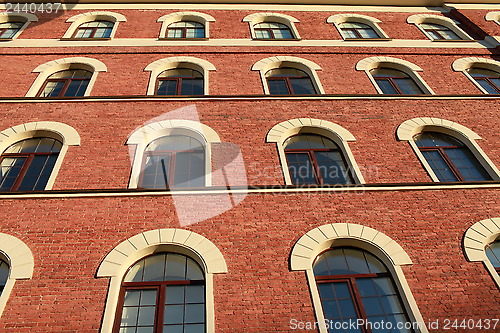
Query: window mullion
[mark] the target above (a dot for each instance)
(450, 163)
(314, 162)
(160, 307)
(394, 85)
(22, 172)
(359, 303)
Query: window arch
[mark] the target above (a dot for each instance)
(272, 26)
(163, 291)
(314, 151)
(357, 27)
(173, 153)
(16, 263)
(11, 25)
(354, 284)
(483, 72)
(447, 150)
(493, 16)
(66, 77)
(32, 154)
(192, 25)
(200, 252)
(94, 25)
(394, 76)
(439, 28)
(179, 76)
(288, 75)
(481, 243)
(375, 248)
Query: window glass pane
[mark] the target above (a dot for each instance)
(76, 88)
(175, 295)
(493, 253)
(408, 86)
(52, 89)
(176, 267)
(368, 33)
(195, 313)
(174, 314)
(348, 34)
(146, 316)
(302, 86)
(194, 271)
(189, 170)
(332, 168)
(195, 294)
(467, 165)
(386, 86)
(154, 268)
(9, 29)
(129, 316)
(278, 87)
(439, 166)
(300, 168)
(489, 86)
(356, 261)
(192, 87)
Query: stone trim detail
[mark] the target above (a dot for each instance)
(408, 129)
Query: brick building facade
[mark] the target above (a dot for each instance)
(372, 80)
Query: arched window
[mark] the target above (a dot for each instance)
(271, 26)
(68, 83)
(393, 81)
(449, 158)
(186, 29)
(272, 30)
(27, 165)
(493, 254)
(355, 30)
(4, 274)
(173, 161)
(353, 284)
(314, 159)
(289, 81)
(488, 79)
(179, 81)
(94, 29)
(9, 29)
(437, 31)
(164, 292)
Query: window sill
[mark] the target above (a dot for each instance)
(277, 39)
(5, 39)
(85, 39)
(169, 38)
(367, 39)
(454, 40)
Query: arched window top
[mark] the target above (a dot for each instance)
(195, 65)
(287, 65)
(481, 242)
(483, 72)
(189, 25)
(180, 132)
(317, 240)
(437, 27)
(394, 76)
(278, 18)
(282, 131)
(356, 26)
(185, 30)
(347, 261)
(166, 266)
(272, 30)
(408, 129)
(101, 30)
(493, 16)
(76, 65)
(97, 15)
(11, 25)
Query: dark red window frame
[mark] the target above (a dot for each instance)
(393, 81)
(287, 80)
(314, 162)
(438, 30)
(449, 163)
(3, 30)
(94, 29)
(184, 30)
(488, 80)
(271, 32)
(356, 32)
(160, 287)
(27, 162)
(67, 82)
(170, 177)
